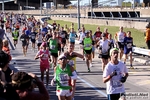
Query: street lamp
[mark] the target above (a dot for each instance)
(78, 14)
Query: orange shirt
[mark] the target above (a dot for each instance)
(147, 37)
(7, 50)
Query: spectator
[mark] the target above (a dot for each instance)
(6, 90)
(24, 84)
(2, 32)
(115, 74)
(147, 37)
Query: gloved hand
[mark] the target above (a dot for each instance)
(123, 79)
(114, 73)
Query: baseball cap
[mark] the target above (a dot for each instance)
(113, 49)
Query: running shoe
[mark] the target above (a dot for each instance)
(89, 70)
(91, 65)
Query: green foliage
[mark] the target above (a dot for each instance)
(138, 35)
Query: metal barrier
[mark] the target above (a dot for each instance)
(141, 51)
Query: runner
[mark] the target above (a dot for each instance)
(72, 36)
(119, 38)
(33, 38)
(63, 76)
(128, 44)
(115, 75)
(63, 35)
(39, 39)
(53, 44)
(44, 56)
(81, 37)
(93, 45)
(24, 38)
(106, 32)
(54, 25)
(97, 35)
(15, 35)
(71, 56)
(104, 50)
(87, 47)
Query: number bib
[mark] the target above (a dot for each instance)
(116, 84)
(33, 37)
(88, 45)
(64, 78)
(129, 45)
(71, 63)
(52, 47)
(22, 39)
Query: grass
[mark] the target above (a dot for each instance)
(137, 35)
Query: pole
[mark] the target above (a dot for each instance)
(3, 6)
(91, 9)
(26, 4)
(78, 14)
(41, 7)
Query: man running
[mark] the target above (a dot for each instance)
(53, 45)
(119, 38)
(115, 75)
(15, 35)
(63, 76)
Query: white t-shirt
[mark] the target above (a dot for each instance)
(114, 85)
(39, 39)
(82, 36)
(121, 36)
(105, 46)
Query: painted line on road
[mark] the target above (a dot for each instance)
(99, 91)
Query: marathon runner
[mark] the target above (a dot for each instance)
(33, 38)
(63, 76)
(53, 44)
(87, 47)
(119, 38)
(15, 35)
(44, 56)
(24, 38)
(39, 39)
(128, 44)
(104, 50)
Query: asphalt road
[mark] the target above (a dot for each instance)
(89, 85)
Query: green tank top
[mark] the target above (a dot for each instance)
(53, 46)
(62, 77)
(87, 44)
(15, 34)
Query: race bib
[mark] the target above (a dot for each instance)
(129, 45)
(52, 47)
(64, 78)
(22, 39)
(33, 37)
(121, 38)
(71, 63)
(116, 84)
(88, 45)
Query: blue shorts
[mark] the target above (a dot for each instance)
(93, 48)
(127, 51)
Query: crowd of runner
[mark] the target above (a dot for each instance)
(55, 48)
